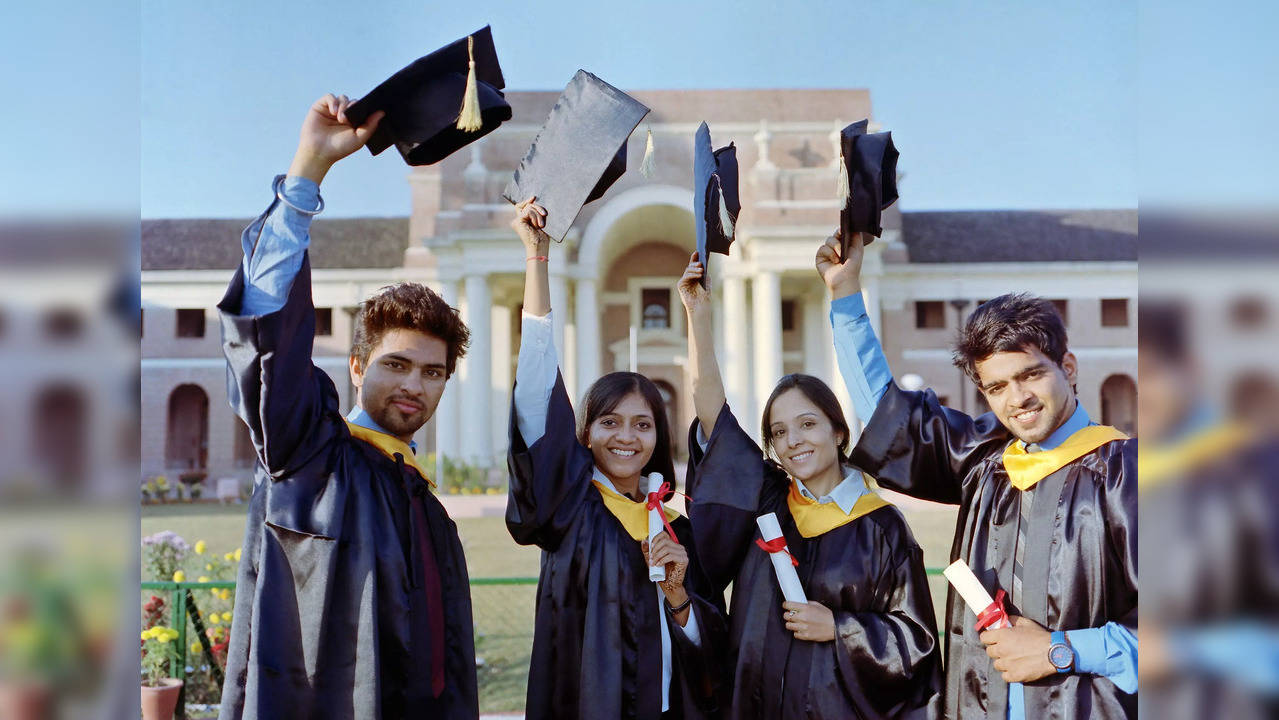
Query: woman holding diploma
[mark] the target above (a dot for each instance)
(609, 642)
(865, 644)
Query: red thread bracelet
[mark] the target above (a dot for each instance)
(541, 258)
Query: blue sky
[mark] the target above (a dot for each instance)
(992, 104)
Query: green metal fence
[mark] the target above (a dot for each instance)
(503, 610)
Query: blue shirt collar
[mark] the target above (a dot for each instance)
(1078, 421)
(357, 416)
(845, 494)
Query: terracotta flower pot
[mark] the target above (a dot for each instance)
(159, 703)
(25, 701)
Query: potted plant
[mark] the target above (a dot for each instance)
(159, 691)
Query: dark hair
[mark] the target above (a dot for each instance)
(409, 306)
(606, 394)
(1010, 323)
(819, 394)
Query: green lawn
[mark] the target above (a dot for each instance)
(503, 613)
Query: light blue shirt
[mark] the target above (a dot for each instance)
(357, 416)
(1110, 650)
(274, 245)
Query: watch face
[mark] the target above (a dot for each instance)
(1061, 656)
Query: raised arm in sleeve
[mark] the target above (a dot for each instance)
(534, 375)
(861, 358)
(289, 405)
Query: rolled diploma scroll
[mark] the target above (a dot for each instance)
(786, 575)
(656, 573)
(976, 597)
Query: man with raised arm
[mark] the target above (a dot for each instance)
(352, 599)
(1047, 504)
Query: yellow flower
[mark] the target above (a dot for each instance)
(229, 557)
(202, 578)
(200, 547)
(147, 634)
(226, 595)
(208, 566)
(214, 619)
(226, 616)
(163, 639)
(237, 554)
(171, 633)
(195, 648)
(179, 576)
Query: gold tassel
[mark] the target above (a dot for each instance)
(725, 220)
(647, 164)
(469, 119)
(843, 193)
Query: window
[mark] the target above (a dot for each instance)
(1062, 311)
(656, 304)
(245, 453)
(930, 314)
(323, 321)
(1248, 313)
(788, 315)
(63, 324)
(1114, 312)
(191, 322)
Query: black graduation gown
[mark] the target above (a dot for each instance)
(1081, 552)
(885, 661)
(1212, 562)
(329, 594)
(596, 642)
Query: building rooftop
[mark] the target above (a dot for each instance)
(1020, 235)
(201, 244)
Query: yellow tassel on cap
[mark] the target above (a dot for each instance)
(725, 219)
(843, 193)
(647, 164)
(469, 119)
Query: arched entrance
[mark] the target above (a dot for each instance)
(187, 431)
(61, 439)
(1119, 403)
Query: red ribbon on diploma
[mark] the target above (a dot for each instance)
(776, 545)
(655, 503)
(995, 614)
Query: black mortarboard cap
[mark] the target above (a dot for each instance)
(578, 153)
(715, 202)
(869, 166)
(423, 102)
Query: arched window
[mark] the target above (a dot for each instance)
(187, 432)
(61, 440)
(1119, 403)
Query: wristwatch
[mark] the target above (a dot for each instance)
(1060, 654)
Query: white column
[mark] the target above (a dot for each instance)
(735, 351)
(767, 306)
(561, 311)
(587, 317)
(476, 418)
(500, 385)
(446, 414)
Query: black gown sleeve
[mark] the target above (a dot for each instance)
(549, 480)
(289, 404)
(730, 485)
(914, 445)
(1120, 512)
(892, 646)
(697, 666)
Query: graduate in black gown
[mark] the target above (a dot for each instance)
(353, 600)
(865, 645)
(608, 641)
(1047, 503)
